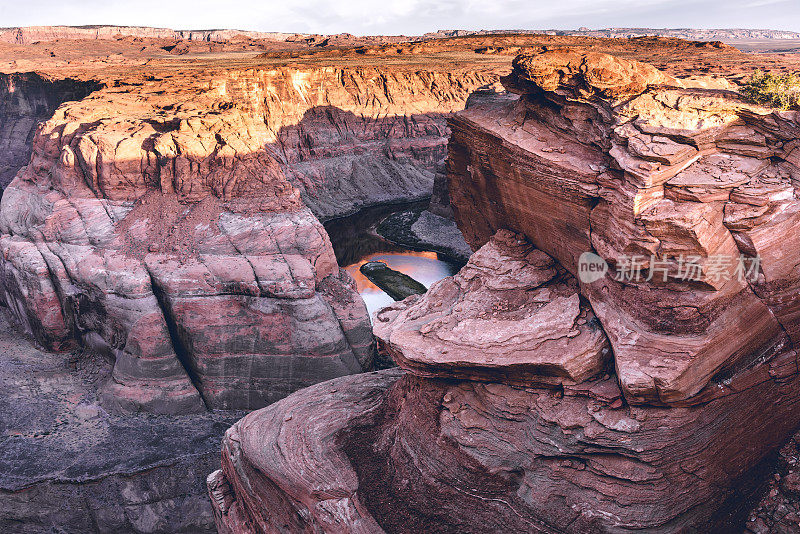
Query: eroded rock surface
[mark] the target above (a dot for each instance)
(510, 315)
(648, 174)
(25, 100)
(507, 419)
(414, 454)
(69, 466)
(175, 225)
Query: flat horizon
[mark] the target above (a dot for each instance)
(509, 30)
(408, 17)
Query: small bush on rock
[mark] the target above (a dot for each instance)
(776, 90)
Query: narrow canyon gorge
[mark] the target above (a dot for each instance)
(186, 348)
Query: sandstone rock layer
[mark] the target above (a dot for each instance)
(508, 418)
(375, 454)
(175, 227)
(653, 178)
(510, 315)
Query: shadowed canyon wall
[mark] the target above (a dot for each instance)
(175, 227)
(26, 100)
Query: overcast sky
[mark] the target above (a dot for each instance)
(404, 16)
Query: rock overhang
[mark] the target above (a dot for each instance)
(537, 440)
(617, 158)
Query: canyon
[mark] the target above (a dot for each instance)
(166, 270)
(540, 402)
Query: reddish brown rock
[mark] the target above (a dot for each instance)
(270, 488)
(148, 243)
(475, 437)
(586, 74)
(371, 453)
(641, 180)
(510, 315)
(183, 239)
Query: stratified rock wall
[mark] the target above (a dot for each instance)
(535, 402)
(349, 138)
(173, 226)
(432, 455)
(597, 154)
(33, 34)
(26, 100)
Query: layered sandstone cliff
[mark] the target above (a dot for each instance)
(667, 178)
(25, 100)
(33, 34)
(174, 226)
(540, 396)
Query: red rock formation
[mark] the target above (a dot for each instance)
(266, 489)
(25, 100)
(494, 429)
(174, 239)
(32, 34)
(510, 315)
(657, 175)
(375, 454)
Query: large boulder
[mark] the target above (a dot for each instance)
(510, 315)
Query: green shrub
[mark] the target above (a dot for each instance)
(776, 90)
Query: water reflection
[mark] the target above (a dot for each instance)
(424, 267)
(355, 243)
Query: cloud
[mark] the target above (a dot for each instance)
(405, 16)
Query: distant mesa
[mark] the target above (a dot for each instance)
(31, 34)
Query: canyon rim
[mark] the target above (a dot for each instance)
(537, 281)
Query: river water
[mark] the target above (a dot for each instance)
(355, 243)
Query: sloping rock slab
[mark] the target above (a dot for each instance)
(379, 453)
(283, 467)
(510, 315)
